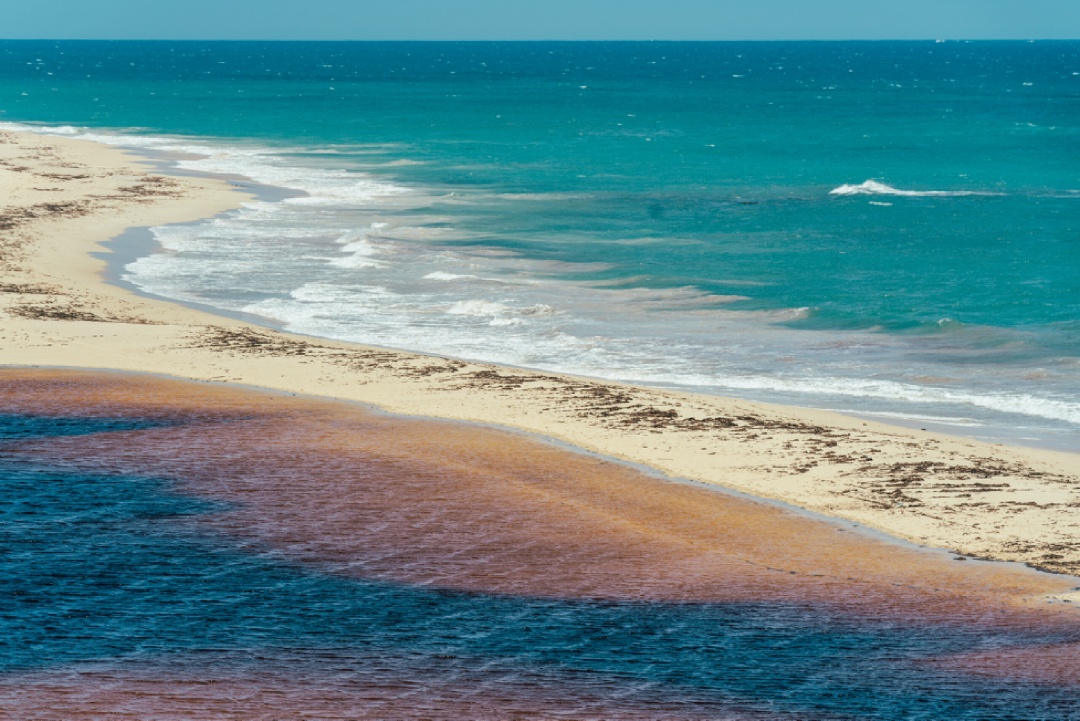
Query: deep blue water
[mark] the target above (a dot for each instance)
(891, 228)
(114, 574)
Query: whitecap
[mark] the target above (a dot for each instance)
(874, 187)
(361, 248)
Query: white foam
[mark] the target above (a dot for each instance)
(352, 236)
(360, 247)
(440, 275)
(477, 308)
(1020, 403)
(335, 294)
(360, 260)
(499, 314)
(504, 321)
(322, 186)
(394, 286)
(874, 187)
(921, 418)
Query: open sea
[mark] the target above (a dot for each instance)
(886, 228)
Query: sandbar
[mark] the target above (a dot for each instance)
(63, 198)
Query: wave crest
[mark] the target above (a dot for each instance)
(874, 187)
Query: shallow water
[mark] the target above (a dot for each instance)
(176, 549)
(886, 228)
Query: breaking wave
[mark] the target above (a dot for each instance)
(874, 187)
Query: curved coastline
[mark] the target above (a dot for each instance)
(382, 240)
(975, 499)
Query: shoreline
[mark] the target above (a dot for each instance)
(959, 411)
(544, 500)
(1006, 503)
(868, 536)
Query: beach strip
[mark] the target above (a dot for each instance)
(451, 505)
(63, 198)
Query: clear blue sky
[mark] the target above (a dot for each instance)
(540, 19)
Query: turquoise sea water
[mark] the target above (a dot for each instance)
(888, 228)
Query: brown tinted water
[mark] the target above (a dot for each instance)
(569, 542)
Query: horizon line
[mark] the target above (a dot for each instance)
(553, 40)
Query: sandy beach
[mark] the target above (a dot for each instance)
(63, 198)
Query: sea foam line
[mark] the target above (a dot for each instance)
(1018, 403)
(263, 165)
(337, 187)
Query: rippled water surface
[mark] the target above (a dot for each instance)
(176, 550)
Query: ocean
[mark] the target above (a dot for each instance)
(890, 229)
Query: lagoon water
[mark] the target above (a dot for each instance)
(146, 576)
(887, 228)
(108, 586)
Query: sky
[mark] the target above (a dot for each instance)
(540, 19)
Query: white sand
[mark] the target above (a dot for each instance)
(62, 198)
